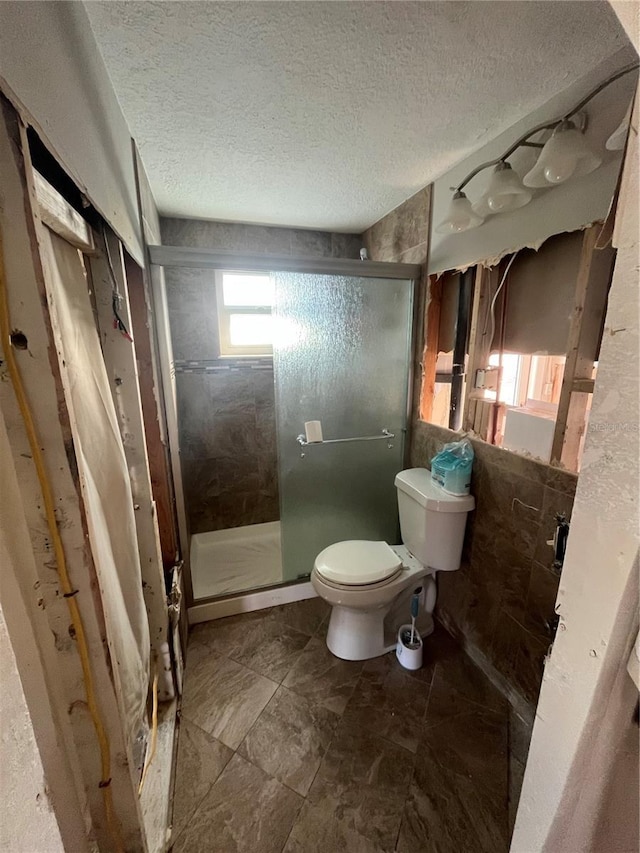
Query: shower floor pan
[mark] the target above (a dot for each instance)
(235, 560)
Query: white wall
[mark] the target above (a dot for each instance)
(585, 745)
(564, 208)
(28, 822)
(51, 66)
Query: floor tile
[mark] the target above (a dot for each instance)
(457, 684)
(201, 759)
(389, 701)
(369, 777)
(261, 640)
(245, 811)
(322, 677)
(306, 616)
(223, 697)
(458, 794)
(475, 747)
(271, 649)
(227, 636)
(324, 828)
(290, 738)
(444, 814)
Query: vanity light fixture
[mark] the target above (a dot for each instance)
(564, 155)
(460, 216)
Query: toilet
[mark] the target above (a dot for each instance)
(369, 584)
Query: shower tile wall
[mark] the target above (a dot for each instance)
(226, 411)
(226, 415)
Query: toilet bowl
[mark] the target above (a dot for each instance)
(366, 582)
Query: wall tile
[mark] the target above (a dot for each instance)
(504, 592)
(401, 230)
(315, 244)
(258, 239)
(346, 246)
(271, 241)
(541, 600)
(194, 336)
(554, 503)
(505, 645)
(562, 481)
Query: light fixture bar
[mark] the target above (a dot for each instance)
(524, 140)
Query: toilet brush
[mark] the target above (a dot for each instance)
(415, 603)
(409, 646)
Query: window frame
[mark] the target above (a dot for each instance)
(227, 349)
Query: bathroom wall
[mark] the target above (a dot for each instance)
(501, 602)
(402, 236)
(226, 407)
(500, 605)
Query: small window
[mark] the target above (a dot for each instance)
(245, 302)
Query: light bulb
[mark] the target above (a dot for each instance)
(505, 192)
(460, 216)
(619, 136)
(563, 156)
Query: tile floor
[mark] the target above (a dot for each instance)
(284, 748)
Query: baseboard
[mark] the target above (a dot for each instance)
(249, 601)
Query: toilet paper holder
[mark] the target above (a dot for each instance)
(384, 436)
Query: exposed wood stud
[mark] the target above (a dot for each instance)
(58, 215)
(590, 297)
(430, 352)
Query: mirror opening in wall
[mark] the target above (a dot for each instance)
(511, 350)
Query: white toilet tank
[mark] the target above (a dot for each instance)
(432, 522)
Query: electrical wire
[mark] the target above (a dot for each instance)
(154, 733)
(492, 309)
(116, 298)
(68, 592)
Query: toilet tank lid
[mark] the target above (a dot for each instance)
(417, 483)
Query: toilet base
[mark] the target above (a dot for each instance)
(360, 634)
(357, 634)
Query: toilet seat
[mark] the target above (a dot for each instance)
(358, 562)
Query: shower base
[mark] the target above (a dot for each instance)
(237, 559)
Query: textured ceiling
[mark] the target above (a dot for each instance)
(330, 114)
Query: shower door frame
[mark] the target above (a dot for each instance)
(186, 256)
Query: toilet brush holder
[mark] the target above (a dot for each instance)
(409, 654)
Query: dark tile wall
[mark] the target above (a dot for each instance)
(228, 447)
(226, 408)
(501, 601)
(402, 236)
(259, 239)
(226, 415)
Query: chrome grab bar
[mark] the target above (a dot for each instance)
(302, 441)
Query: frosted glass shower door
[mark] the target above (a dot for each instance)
(341, 356)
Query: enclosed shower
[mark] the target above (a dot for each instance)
(257, 353)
